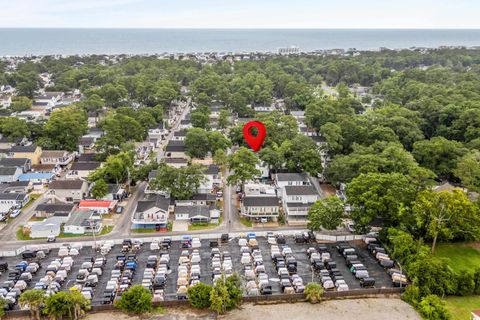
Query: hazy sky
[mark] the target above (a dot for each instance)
(241, 13)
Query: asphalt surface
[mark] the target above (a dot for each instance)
(299, 250)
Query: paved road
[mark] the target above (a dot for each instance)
(9, 232)
(161, 153)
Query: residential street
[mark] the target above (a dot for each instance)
(9, 232)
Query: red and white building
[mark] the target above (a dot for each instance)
(99, 206)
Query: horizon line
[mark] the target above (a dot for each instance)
(245, 28)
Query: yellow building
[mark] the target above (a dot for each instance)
(32, 152)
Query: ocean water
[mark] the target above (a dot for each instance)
(148, 41)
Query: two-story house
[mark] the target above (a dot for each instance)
(31, 152)
(212, 179)
(10, 201)
(81, 170)
(59, 158)
(179, 135)
(296, 201)
(68, 191)
(260, 202)
(159, 131)
(152, 213)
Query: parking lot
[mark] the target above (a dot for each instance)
(303, 271)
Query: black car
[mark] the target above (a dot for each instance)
(280, 239)
(159, 282)
(266, 289)
(299, 238)
(3, 266)
(224, 238)
(213, 243)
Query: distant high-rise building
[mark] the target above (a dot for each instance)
(288, 50)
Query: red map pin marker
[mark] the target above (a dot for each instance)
(255, 142)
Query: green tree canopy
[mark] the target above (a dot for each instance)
(64, 128)
(137, 300)
(181, 183)
(20, 104)
(326, 213)
(243, 164)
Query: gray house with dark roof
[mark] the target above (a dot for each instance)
(260, 207)
(175, 149)
(68, 190)
(24, 163)
(151, 213)
(9, 174)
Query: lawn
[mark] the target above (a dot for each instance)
(145, 231)
(460, 307)
(246, 222)
(202, 226)
(33, 197)
(460, 256)
(105, 230)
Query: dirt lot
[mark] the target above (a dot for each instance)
(359, 309)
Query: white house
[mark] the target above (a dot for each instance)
(98, 206)
(81, 170)
(46, 228)
(260, 207)
(83, 221)
(297, 200)
(212, 179)
(291, 179)
(12, 200)
(193, 214)
(158, 131)
(151, 213)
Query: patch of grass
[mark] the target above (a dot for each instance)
(21, 236)
(33, 197)
(144, 231)
(108, 216)
(158, 310)
(201, 226)
(460, 307)
(105, 230)
(246, 222)
(35, 219)
(460, 256)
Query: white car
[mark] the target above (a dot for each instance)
(15, 213)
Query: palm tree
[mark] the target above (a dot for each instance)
(80, 304)
(33, 299)
(313, 292)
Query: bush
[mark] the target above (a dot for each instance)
(63, 303)
(199, 295)
(226, 294)
(137, 300)
(313, 292)
(476, 279)
(3, 303)
(465, 283)
(411, 295)
(433, 308)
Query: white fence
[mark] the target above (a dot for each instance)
(319, 236)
